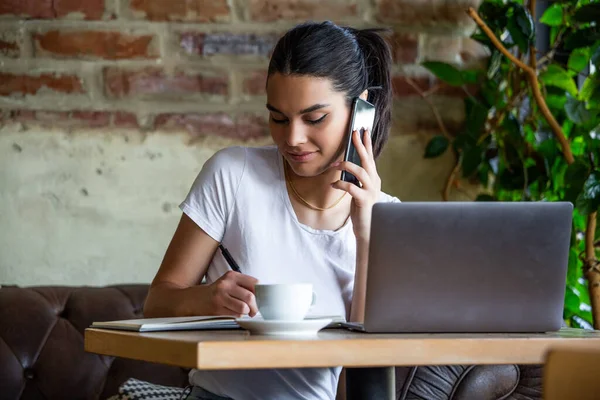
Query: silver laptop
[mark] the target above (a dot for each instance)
(467, 267)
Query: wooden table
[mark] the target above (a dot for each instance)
(369, 357)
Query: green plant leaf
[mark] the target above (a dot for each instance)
(445, 72)
(471, 160)
(590, 86)
(436, 146)
(521, 27)
(588, 13)
(556, 102)
(576, 111)
(514, 129)
(579, 59)
(574, 179)
(470, 76)
(463, 142)
(582, 38)
(490, 93)
(476, 117)
(494, 64)
(572, 301)
(557, 76)
(494, 14)
(589, 199)
(595, 59)
(553, 16)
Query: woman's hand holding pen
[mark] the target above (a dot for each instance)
(233, 294)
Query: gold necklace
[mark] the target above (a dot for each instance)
(285, 167)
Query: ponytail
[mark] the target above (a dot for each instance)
(378, 62)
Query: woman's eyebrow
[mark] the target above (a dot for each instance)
(306, 110)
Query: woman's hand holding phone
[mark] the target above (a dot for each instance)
(365, 196)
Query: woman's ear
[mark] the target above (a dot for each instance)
(364, 95)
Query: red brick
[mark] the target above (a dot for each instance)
(250, 126)
(28, 8)
(74, 119)
(9, 48)
(181, 10)
(275, 10)
(402, 88)
(21, 115)
(31, 84)
(90, 9)
(53, 117)
(48, 9)
(218, 124)
(125, 120)
(154, 81)
(426, 12)
(95, 44)
(254, 83)
(91, 119)
(224, 43)
(197, 125)
(405, 47)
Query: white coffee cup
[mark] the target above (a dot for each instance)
(284, 301)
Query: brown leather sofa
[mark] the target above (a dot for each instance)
(42, 356)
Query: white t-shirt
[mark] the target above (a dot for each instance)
(240, 199)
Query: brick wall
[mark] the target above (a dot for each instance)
(198, 65)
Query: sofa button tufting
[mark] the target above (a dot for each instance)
(29, 373)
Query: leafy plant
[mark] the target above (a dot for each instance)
(532, 130)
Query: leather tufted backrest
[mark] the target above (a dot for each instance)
(41, 343)
(466, 382)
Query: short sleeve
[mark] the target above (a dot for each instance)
(212, 196)
(386, 198)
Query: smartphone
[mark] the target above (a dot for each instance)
(363, 117)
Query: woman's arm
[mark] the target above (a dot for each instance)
(357, 308)
(176, 288)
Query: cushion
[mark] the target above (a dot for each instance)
(135, 389)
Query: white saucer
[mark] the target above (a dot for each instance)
(307, 327)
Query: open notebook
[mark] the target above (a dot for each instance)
(188, 323)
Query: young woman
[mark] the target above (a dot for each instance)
(282, 211)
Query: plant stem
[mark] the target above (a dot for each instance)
(450, 180)
(437, 115)
(592, 274)
(535, 87)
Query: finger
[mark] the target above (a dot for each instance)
(246, 281)
(245, 296)
(235, 306)
(354, 191)
(369, 144)
(359, 172)
(361, 149)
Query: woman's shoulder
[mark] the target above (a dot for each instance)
(237, 157)
(238, 154)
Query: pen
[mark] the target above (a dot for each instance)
(229, 259)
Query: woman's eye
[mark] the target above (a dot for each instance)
(316, 121)
(278, 121)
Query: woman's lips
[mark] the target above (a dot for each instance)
(301, 156)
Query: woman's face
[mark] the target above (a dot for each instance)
(308, 121)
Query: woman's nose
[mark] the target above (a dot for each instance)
(296, 134)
